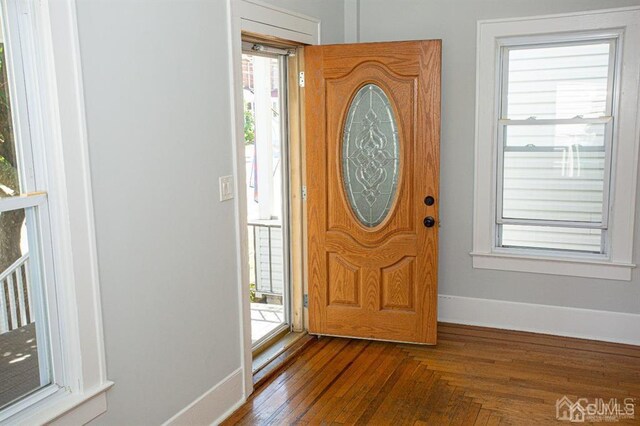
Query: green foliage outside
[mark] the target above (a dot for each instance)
(252, 292)
(249, 127)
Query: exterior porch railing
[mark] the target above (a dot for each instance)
(15, 296)
(268, 266)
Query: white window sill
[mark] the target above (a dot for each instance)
(65, 408)
(574, 267)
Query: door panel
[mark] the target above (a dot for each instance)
(398, 285)
(344, 282)
(372, 141)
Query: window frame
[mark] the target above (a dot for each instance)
(608, 120)
(44, 41)
(494, 36)
(29, 145)
(44, 299)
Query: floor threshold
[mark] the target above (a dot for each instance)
(278, 355)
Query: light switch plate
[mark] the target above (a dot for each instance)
(226, 187)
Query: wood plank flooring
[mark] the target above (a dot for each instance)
(474, 376)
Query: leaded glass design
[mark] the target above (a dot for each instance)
(370, 155)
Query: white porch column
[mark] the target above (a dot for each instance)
(264, 143)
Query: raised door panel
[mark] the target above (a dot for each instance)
(398, 285)
(344, 282)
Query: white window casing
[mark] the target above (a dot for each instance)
(43, 40)
(618, 124)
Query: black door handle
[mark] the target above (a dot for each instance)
(429, 221)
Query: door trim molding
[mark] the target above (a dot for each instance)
(618, 327)
(261, 18)
(268, 20)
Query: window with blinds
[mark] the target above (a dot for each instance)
(554, 145)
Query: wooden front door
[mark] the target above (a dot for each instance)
(372, 157)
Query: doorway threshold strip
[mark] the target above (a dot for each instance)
(281, 354)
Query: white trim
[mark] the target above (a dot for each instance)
(267, 20)
(77, 259)
(213, 406)
(553, 266)
(83, 413)
(14, 410)
(65, 406)
(591, 324)
(55, 47)
(582, 13)
(22, 201)
(490, 34)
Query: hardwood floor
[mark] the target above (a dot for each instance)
(474, 376)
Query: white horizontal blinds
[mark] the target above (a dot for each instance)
(555, 136)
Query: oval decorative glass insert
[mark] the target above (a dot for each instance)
(370, 155)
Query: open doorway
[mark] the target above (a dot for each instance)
(264, 81)
(260, 29)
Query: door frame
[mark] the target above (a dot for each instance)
(283, 63)
(257, 17)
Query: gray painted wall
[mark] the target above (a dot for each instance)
(156, 79)
(454, 21)
(158, 112)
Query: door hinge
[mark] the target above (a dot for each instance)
(305, 300)
(304, 192)
(301, 79)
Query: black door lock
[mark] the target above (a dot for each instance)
(429, 221)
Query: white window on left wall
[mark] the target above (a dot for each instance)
(28, 330)
(51, 347)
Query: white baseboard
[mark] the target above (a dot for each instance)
(560, 321)
(215, 405)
